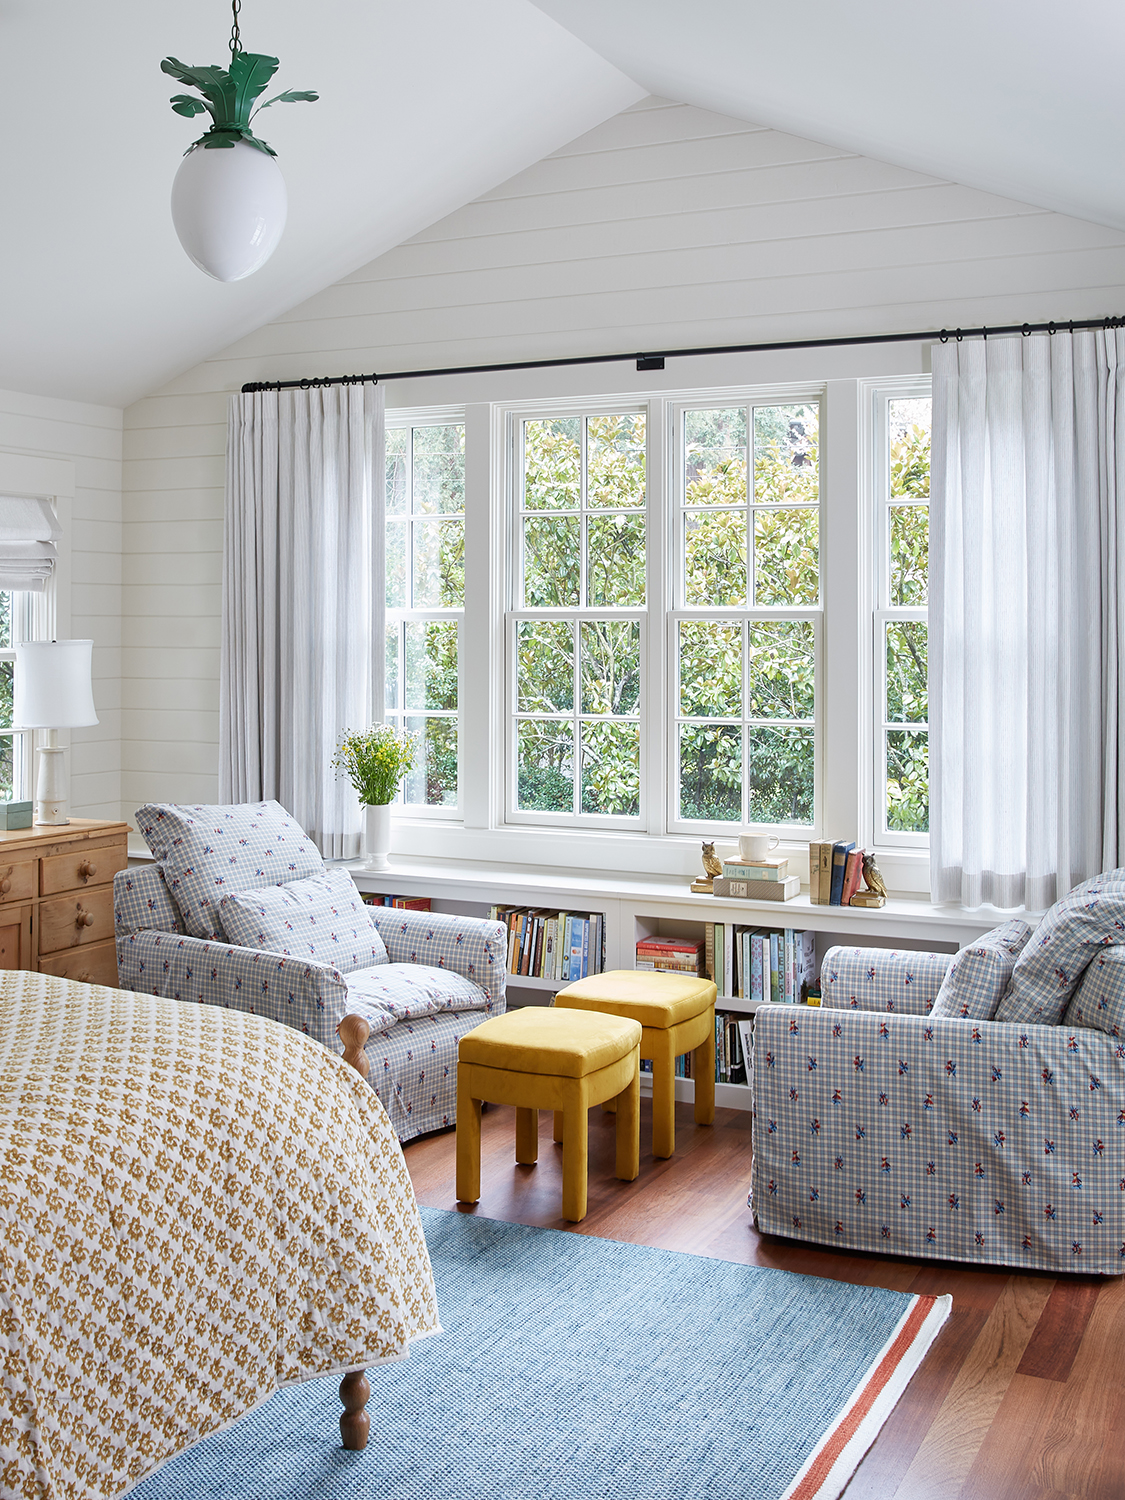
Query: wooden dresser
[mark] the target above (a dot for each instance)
(56, 898)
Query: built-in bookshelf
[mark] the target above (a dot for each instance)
(632, 907)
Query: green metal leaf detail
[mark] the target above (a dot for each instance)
(184, 104)
(228, 95)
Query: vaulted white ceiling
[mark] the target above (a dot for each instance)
(426, 105)
(1021, 99)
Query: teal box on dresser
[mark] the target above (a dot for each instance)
(15, 815)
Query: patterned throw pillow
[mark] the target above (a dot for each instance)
(1099, 1000)
(978, 976)
(322, 920)
(207, 851)
(1090, 918)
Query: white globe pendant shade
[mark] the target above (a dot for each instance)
(229, 207)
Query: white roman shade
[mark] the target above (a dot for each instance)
(29, 530)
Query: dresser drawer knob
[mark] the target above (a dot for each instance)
(84, 977)
(84, 918)
(5, 886)
(86, 870)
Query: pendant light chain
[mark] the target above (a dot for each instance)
(235, 38)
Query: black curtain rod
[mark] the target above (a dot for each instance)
(655, 360)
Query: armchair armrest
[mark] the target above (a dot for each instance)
(471, 946)
(309, 997)
(882, 979)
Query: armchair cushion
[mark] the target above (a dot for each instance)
(388, 993)
(1046, 974)
(976, 980)
(208, 851)
(1099, 1000)
(322, 919)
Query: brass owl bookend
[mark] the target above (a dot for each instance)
(713, 866)
(875, 892)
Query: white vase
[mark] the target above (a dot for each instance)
(377, 836)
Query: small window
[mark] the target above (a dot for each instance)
(901, 629)
(425, 598)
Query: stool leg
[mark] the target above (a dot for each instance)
(468, 1146)
(629, 1128)
(703, 1074)
(575, 1132)
(663, 1098)
(527, 1136)
(557, 1131)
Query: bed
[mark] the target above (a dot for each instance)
(196, 1207)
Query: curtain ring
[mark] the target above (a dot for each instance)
(944, 336)
(306, 383)
(1051, 328)
(1026, 330)
(984, 331)
(959, 335)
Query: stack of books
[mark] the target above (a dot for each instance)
(835, 873)
(403, 903)
(756, 880)
(675, 955)
(556, 946)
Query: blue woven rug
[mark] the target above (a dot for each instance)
(574, 1368)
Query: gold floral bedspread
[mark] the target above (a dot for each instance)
(196, 1206)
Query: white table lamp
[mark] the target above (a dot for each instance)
(53, 691)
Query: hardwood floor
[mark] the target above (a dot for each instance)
(1022, 1396)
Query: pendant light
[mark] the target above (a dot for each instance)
(228, 199)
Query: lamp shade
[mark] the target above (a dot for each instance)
(229, 207)
(53, 687)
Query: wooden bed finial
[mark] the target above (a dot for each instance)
(353, 1031)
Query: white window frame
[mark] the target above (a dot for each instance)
(883, 612)
(32, 616)
(395, 618)
(510, 813)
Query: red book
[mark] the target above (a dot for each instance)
(853, 875)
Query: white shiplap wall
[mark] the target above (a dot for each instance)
(89, 437)
(666, 226)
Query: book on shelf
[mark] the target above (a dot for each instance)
(401, 903)
(757, 890)
(820, 871)
(553, 946)
(853, 876)
(840, 854)
(765, 869)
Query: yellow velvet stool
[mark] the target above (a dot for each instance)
(677, 1015)
(564, 1061)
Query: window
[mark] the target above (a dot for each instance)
(17, 609)
(425, 597)
(576, 633)
(901, 631)
(744, 654)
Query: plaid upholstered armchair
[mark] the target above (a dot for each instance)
(967, 1107)
(305, 951)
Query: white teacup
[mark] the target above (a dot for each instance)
(753, 846)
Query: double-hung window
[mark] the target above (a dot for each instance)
(425, 601)
(745, 630)
(576, 628)
(18, 622)
(902, 798)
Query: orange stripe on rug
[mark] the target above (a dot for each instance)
(811, 1482)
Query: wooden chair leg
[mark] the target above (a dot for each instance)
(629, 1129)
(558, 1125)
(354, 1421)
(468, 1146)
(575, 1162)
(527, 1136)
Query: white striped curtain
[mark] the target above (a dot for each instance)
(1027, 616)
(302, 622)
